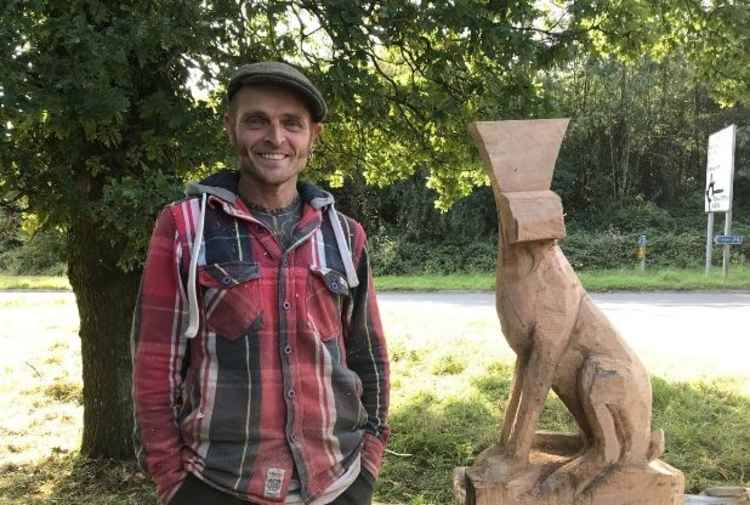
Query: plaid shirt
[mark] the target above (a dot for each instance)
(288, 374)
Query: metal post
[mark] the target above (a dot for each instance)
(642, 251)
(727, 231)
(709, 241)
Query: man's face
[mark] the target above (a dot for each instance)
(272, 132)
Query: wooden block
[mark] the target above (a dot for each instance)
(655, 484)
(531, 215)
(519, 155)
(658, 484)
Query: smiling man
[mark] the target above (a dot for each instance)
(260, 368)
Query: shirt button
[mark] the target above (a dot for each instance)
(293, 437)
(287, 350)
(286, 305)
(291, 394)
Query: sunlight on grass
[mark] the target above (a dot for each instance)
(40, 390)
(447, 404)
(34, 282)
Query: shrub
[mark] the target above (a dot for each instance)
(584, 249)
(42, 254)
(398, 256)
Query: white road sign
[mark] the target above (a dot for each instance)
(720, 170)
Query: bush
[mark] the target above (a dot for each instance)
(398, 256)
(584, 249)
(43, 254)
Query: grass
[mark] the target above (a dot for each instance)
(596, 280)
(456, 282)
(666, 279)
(47, 282)
(450, 378)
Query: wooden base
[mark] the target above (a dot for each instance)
(555, 476)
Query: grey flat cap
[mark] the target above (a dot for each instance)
(281, 74)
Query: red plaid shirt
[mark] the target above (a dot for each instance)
(288, 374)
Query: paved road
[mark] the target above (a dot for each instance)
(679, 335)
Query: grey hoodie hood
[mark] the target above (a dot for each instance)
(224, 185)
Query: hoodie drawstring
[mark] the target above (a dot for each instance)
(192, 329)
(346, 255)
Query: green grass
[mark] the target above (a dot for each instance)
(462, 282)
(597, 280)
(666, 279)
(34, 282)
(450, 379)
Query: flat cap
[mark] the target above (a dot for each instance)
(281, 74)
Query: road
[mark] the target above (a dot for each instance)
(677, 335)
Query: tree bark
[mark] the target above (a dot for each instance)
(105, 296)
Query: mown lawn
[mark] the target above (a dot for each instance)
(45, 282)
(595, 280)
(450, 379)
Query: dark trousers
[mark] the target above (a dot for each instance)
(195, 492)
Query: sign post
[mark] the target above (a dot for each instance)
(642, 251)
(725, 253)
(709, 241)
(719, 182)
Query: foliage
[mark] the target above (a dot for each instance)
(713, 34)
(95, 107)
(10, 230)
(42, 254)
(586, 251)
(638, 132)
(27, 247)
(96, 104)
(392, 256)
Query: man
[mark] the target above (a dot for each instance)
(260, 367)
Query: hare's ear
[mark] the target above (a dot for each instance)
(519, 155)
(531, 215)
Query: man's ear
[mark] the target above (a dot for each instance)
(316, 129)
(229, 128)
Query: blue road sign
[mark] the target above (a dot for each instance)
(729, 239)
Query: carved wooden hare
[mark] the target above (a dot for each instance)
(562, 340)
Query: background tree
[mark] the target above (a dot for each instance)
(98, 126)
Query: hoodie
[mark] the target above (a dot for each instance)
(257, 369)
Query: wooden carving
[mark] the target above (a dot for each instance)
(563, 342)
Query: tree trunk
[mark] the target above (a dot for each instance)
(105, 296)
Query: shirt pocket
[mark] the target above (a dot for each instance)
(327, 290)
(231, 295)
